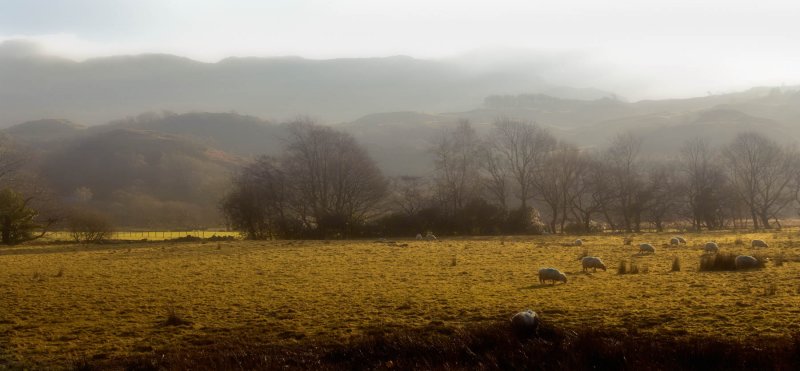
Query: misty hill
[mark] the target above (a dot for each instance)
(142, 178)
(98, 90)
(44, 131)
(230, 132)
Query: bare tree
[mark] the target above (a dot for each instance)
(457, 167)
(496, 177)
(591, 192)
(625, 176)
(760, 172)
(705, 180)
(556, 181)
(521, 148)
(338, 183)
(261, 202)
(664, 188)
(409, 194)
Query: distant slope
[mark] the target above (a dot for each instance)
(143, 177)
(99, 90)
(44, 131)
(230, 132)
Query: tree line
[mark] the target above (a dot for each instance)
(519, 178)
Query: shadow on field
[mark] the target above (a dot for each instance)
(489, 346)
(537, 286)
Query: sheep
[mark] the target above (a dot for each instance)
(430, 236)
(711, 247)
(551, 274)
(759, 243)
(592, 262)
(577, 242)
(525, 322)
(646, 248)
(746, 262)
(419, 236)
(681, 240)
(674, 241)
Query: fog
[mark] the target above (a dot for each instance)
(638, 50)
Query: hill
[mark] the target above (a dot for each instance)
(103, 89)
(142, 178)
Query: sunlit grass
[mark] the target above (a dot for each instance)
(67, 302)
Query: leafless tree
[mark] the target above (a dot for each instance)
(457, 167)
(409, 194)
(337, 181)
(556, 182)
(705, 180)
(664, 188)
(626, 180)
(521, 148)
(760, 172)
(591, 193)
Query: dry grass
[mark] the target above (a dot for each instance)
(111, 304)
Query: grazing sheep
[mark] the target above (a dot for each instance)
(646, 248)
(525, 322)
(746, 262)
(551, 274)
(681, 240)
(577, 242)
(592, 262)
(759, 243)
(674, 241)
(430, 236)
(711, 247)
(419, 236)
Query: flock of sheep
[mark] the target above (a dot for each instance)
(594, 262)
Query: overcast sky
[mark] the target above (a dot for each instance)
(639, 48)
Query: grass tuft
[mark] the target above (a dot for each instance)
(725, 261)
(174, 319)
(676, 264)
(771, 290)
(60, 272)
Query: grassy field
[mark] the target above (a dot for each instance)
(65, 303)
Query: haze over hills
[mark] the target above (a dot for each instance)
(95, 91)
(84, 121)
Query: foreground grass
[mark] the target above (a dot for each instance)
(67, 304)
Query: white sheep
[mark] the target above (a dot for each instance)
(674, 241)
(711, 247)
(680, 239)
(525, 322)
(592, 262)
(551, 274)
(646, 248)
(746, 262)
(577, 242)
(759, 243)
(419, 236)
(430, 236)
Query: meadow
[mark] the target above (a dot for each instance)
(65, 303)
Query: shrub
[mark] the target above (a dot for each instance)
(723, 262)
(89, 226)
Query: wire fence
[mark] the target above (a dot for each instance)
(149, 235)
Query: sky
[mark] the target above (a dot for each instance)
(640, 48)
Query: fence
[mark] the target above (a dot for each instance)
(149, 235)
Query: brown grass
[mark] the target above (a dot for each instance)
(293, 294)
